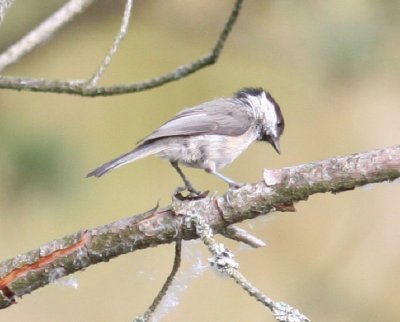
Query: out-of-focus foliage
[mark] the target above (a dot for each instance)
(35, 162)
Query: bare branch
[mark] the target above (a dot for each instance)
(4, 6)
(78, 87)
(177, 263)
(224, 262)
(120, 36)
(42, 32)
(241, 235)
(279, 190)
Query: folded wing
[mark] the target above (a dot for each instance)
(218, 117)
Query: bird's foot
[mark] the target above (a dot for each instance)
(192, 190)
(192, 195)
(236, 185)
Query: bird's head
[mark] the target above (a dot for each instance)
(267, 114)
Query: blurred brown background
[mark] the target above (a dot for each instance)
(334, 68)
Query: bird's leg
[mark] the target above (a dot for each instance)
(230, 182)
(188, 185)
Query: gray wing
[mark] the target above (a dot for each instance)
(218, 117)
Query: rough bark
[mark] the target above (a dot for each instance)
(277, 192)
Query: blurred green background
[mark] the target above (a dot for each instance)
(334, 68)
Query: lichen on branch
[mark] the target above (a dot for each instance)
(279, 190)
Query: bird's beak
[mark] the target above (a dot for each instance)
(276, 145)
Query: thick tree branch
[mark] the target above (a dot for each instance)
(279, 190)
(79, 87)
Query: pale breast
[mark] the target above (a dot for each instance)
(205, 151)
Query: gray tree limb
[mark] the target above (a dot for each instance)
(80, 87)
(113, 49)
(42, 32)
(223, 260)
(277, 192)
(4, 6)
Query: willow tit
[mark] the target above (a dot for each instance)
(211, 135)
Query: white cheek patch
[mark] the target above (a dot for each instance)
(269, 111)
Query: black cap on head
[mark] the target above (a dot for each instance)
(253, 91)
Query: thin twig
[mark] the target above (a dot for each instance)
(78, 87)
(120, 36)
(177, 263)
(241, 235)
(224, 262)
(42, 32)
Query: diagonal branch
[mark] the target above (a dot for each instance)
(279, 190)
(120, 36)
(79, 87)
(177, 263)
(224, 262)
(4, 6)
(42, 32)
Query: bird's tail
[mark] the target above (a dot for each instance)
(140, 152)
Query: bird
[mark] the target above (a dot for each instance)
(210, 135)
